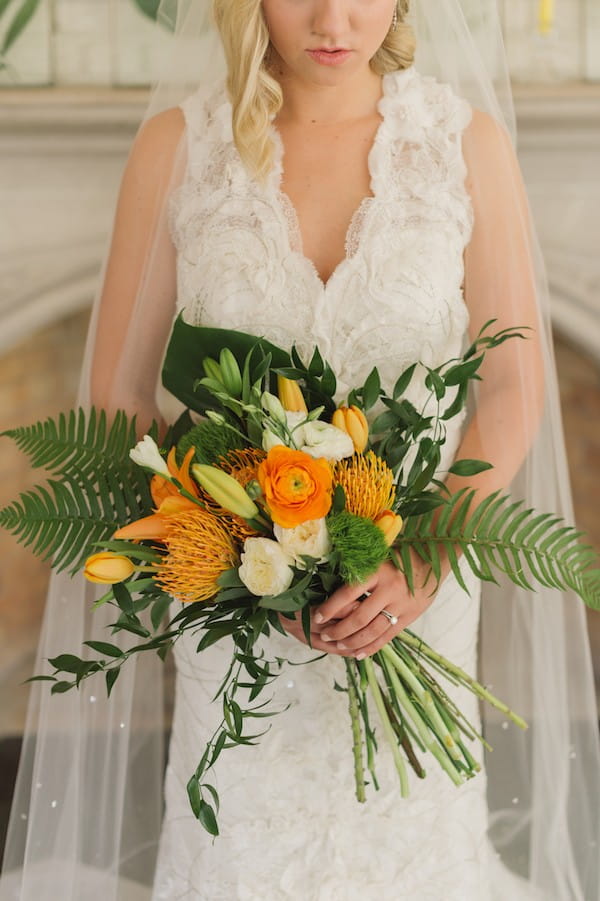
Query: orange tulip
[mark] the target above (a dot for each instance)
(106, 568)
(296, 486)
(353, 421)
(390, 524)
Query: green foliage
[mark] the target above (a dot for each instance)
(359, 543)
(19, 22)
(148, 7)
(99, 486)
(403, 432)
(211, 442)
(318, 380)
(189, 345)
(499, 536)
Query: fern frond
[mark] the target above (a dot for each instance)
(80, 445)
(499, 535)
(66, 520)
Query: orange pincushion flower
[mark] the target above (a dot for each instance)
(200, 549)
(296, 486)
(368, 483)
(243, 466)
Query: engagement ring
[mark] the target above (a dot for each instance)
(390, 616)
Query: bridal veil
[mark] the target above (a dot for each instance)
(86, 815)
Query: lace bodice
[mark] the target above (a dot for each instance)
(395, 298)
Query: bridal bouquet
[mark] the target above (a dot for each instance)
(263, 498)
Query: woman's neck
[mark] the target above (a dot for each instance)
(304, 102)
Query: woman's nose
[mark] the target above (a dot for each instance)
(330, 18)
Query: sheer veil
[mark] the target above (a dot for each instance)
(86, 816)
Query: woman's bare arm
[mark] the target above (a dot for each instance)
(130, 334)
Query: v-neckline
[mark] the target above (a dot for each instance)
(290, 214)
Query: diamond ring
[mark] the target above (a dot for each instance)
(390, 616)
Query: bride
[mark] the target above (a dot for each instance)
(329, 192)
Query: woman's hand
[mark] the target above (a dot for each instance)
(348, 627)
(294, 627)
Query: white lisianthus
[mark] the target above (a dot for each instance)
(265, 568)
(321, 439)
(310, 538)
(293, 420)
(147, 454)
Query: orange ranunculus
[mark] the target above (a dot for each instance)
(296, 486)
(161, 488)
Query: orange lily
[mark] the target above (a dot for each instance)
(155, 526)
(161, 488)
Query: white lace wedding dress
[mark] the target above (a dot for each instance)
(290, 825)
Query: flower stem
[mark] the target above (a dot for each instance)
(476, 687)
(423, 729)
(387, 726)
(359, 772)
(426, 700)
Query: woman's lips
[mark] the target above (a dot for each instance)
(329, 57)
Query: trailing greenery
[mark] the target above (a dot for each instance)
(499, 535)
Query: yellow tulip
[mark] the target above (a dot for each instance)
(390, 524)
(225, 490)
(290, 395)
(106, 568)
(354, 422)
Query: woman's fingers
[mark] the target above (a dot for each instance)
(294, 627)
(358, 620)
(339, 603)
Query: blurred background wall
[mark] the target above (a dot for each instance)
(72, 91)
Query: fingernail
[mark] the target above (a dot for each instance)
(361, 656)
(326, 637)
(319, 617)
(342, 646)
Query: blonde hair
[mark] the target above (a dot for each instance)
(255, 94)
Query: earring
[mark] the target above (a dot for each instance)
(395, 19)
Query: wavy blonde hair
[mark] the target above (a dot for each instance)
(256, 95)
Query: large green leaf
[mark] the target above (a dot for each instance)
(190, 344)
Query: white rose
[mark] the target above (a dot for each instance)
(310, 538)
(265, 568)
(294, 420)
(146, 454)
(321, 439)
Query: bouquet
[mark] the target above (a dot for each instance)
(262, 499)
